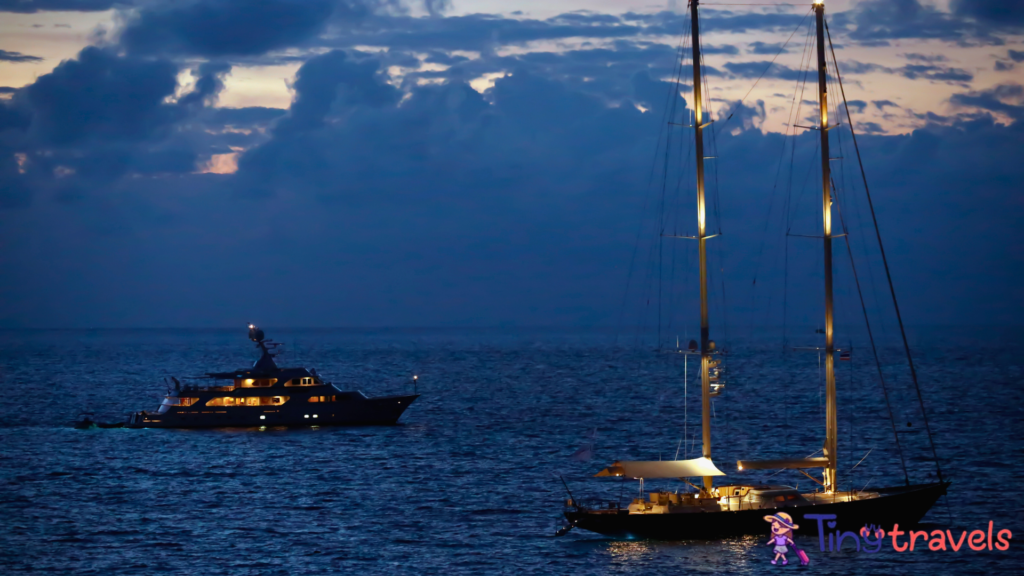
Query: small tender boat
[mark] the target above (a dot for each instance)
(266, 395)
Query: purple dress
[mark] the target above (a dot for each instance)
(780, 545)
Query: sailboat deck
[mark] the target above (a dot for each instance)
(736, 498)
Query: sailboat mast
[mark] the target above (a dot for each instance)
(705, 352)
(831, 420)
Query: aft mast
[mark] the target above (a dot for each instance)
(705, 351)
(831, 426)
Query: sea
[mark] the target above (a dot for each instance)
(476, 475)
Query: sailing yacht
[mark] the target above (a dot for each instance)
(739, 508)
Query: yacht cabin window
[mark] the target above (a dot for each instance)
(248, 401)
(255, 382)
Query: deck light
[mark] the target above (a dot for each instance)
(307, 415)
(262, 417)
(314, 415)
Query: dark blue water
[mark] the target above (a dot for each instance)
(468, 483)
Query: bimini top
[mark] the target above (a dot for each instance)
(662, 469)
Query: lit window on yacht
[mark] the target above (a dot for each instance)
(248, 401)
(255, 383)
(262, 417)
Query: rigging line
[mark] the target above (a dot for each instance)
(685, 159)
(805, 62)
(650, 180)
(781, 50)
(664, 184)
(803, 188)
(862, 459)
(888, 275)
(771, 206)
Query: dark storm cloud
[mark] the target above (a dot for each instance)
(218, 28)
(770, 49)
(870, 128)
(486, 32)
(755, 69)
(330, 79)
(103, 116)
(31, 6)
(720, 49)
(12, 118)
(101, 96)
(209, 83)
(857, 105)
(442, 207)
(242, 117)
(957, 76)
(8, 56)
(875, 22)
(437, 7)
(929, 72)
(996, 13)
(929, 58)
(1006, 99)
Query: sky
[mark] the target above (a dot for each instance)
(209, 163)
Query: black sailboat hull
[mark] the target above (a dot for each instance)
(904, 505)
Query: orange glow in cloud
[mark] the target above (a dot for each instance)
(221, 164)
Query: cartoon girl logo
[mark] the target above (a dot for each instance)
(782, 538)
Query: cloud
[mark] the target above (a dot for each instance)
(485, 32)
(7, 56)
(330, 79)
(996, 13)
(720, 49)
(1016, 55)
(876, 22)
(870, 128)
(1003, 66)
(446, 206)
(32, 6)
(101, 96)
(857, 106)
(929, 72)
(1005, 99)
(882, 104)
(220, 28)
(929, 58)
(437, 7)
(770, 49)
(209, 83)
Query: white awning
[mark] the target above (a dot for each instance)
(663, 469)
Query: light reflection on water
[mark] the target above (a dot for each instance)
(468, 484)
